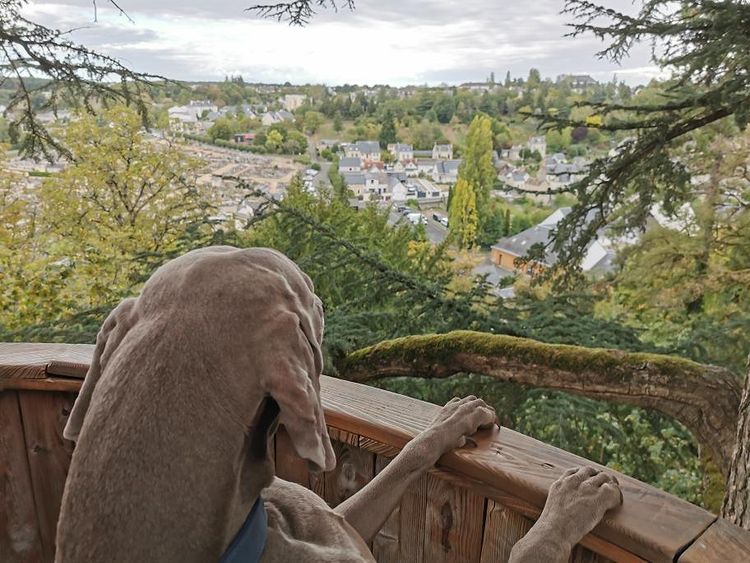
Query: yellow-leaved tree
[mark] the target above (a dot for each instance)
(97, 228)
(464, 219)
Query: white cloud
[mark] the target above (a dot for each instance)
(383, 41)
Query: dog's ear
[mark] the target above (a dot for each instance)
(108, 339)
(291, 378)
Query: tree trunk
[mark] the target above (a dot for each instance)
(704, 398)
(736, 506)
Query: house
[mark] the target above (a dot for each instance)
(350, 164)
(513, 153)
(366, 150)
(426, 191)
(185, 118)
(426, 166)
(442, 152)
(578, 82)
(446, 171)
(538, 144)
(517, 178)
(401, 152)
(478, 86)
(324, 144)
(291, 102)
(244, 138)
(271, 117)
(599, 253)
(355, 181)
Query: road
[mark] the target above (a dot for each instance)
(436, 232)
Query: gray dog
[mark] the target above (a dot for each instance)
(187, 385)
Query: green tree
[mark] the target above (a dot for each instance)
(274, 139)
(338, 124)
(387, 130)
(123, 202)
(477, 170)
(313, 120)
(463, 215)
(221, 129)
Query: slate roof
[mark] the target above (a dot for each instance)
(354, 178)
(350, 161)
(368, 146)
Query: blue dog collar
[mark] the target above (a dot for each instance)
(249, 543)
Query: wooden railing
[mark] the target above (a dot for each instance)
(473, 506)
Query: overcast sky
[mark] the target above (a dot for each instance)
(395, 42)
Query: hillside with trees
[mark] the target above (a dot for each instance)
(640, 369)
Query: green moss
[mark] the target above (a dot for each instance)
(441, 347)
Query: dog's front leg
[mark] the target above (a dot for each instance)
(367, 510)
(576, 503)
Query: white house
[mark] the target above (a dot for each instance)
(538, 144)
(292, 102)
(401, 152)
(366, 150)
(271, 117)
(442, 152)
(350, 164)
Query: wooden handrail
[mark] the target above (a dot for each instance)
(502, 464)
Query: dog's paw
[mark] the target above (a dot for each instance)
(577, 502)
(457, 420)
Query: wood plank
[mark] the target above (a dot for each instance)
(45, 384)
(523, 508)
(19, 528)
(354, 469)
(453, 523)
(652, 524)
(582, 555)
(289, 466)
(502, 529)
(30, 361)
(377, 447)
(44, 415)
(401, 538)
(722, 541)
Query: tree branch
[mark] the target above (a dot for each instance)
(704, 398)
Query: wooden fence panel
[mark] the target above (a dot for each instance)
(19, 528)
(502, 529)
(402, 536)
(453, 523)
(44, 415)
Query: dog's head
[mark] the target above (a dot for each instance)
(254, 313)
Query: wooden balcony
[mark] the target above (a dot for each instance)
(472, 507)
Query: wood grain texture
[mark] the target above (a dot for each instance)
(354, 469)
(453, 523)
(651, 525)
(42, 384)
(19, 528)
(582, 555)
(289, 466)
(402, 537)
(44, 415)
(722, 541)
(502, 529)
(31, 361)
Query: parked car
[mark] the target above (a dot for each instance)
(417, 218)
(406, 211)
(444, 221)
(400, 208)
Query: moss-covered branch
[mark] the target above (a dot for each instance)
(703, 398)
